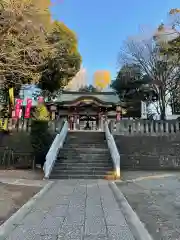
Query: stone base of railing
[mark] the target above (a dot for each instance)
(111, 176)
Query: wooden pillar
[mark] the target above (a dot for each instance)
(53, 109)
(118, 113)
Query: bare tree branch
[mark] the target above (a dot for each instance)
(162, 69)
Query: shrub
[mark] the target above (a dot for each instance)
(40, 136)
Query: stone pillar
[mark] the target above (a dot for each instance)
(118, 113)
(99, 121)
(77, 122)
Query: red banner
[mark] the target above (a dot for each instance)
(118, 117)
(28, 108)
(18, 107)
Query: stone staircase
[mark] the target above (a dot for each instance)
(85, 155)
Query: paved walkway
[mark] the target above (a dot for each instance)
(74, 210)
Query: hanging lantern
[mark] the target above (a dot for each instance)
(53, 108)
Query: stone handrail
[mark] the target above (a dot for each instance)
(113, 150)
(54, 150)
(145, 127)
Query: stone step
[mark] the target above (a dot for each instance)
(84, 148)
(84, 155)
(82, 168)
(83, 165)
(84, 159)
(85, 145)
(92, 151)
(81, 171)
(77, 176)
(85, 133)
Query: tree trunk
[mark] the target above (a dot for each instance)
(163, 114)
(162, 104)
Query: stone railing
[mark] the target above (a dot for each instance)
(15, 125)
(113, 150)
(56, 145)
(151, 127)
(24, 125)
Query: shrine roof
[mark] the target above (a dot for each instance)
(104, 97)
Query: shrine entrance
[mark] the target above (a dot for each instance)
(88, 123)
(85, 123)
(85, 111)
(86, 119)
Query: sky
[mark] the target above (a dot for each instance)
(103, 26)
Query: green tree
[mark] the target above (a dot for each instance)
(129, 81)
(132, 87)
(40, 135)
(34, 49)
(23, 43)
(66, 61)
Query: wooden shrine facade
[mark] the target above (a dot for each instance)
(85, 110)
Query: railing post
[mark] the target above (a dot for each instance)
(113, 150)
(54, 149)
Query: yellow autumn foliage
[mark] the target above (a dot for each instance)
(102, 79)
(41, 113)
(174, 11)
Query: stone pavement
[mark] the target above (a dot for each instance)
(74, 210)
(156, 200)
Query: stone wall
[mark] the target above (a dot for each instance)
(145, 152)
(20, 144)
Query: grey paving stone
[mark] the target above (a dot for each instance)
(63, 190)
(95, 211)
(95, 226)
(114, 217)
(21, 233)
(96, 237)
(93, 201)
(77, 201)
(63, 200)
(74, 220)
(45, 237)
(110, 204)
(50, 225)
(46, 203)
(59, 211)
(77, 207)
(75, 216)
(71, 232)
(33, 218)
(119, 233)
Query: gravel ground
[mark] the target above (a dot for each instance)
(12, 197)
(156, 200)
(22, 174)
